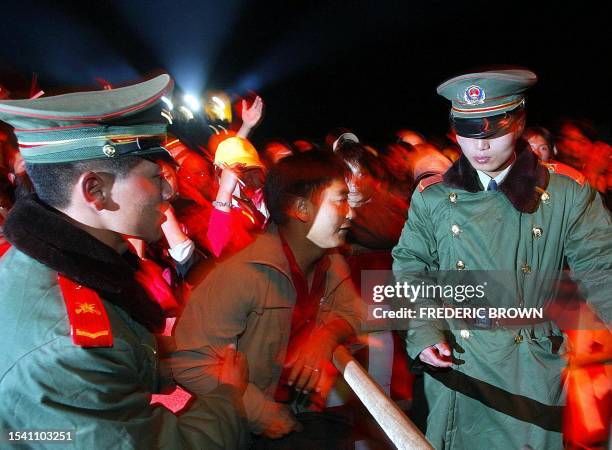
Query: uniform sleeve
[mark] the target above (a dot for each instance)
(588, 248)
(415, 255)
(98, 393)
(214, 317)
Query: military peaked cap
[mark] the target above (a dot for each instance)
(90, 125)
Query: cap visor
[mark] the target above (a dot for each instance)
(483, 127)
(156, 154)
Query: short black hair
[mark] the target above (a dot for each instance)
(302, 175)
(356, 153)
(53, 183)
(540, 131)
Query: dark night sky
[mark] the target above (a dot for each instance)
(372, 65)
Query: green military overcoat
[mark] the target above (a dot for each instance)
(504, 389)
(101, 394)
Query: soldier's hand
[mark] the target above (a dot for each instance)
(235, 369)
(279, 421)
(438, 355)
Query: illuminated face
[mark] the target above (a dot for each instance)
(138, 200)
(490, 155)
(540, 147)
(332, 216)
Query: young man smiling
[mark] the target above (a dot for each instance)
(498, 210)
(286, 300)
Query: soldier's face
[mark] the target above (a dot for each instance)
(490, 155)
(140, 197)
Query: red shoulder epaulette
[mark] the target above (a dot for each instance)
(89, 324)
(568, 171)
(426, 182)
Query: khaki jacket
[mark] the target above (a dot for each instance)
(248, 300)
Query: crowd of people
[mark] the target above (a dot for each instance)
(139, 255)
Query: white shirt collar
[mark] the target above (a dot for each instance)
(485, 179)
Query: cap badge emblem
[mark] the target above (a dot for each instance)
(474, 95)
(109, 150)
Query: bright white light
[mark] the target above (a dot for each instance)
(168, 103)
(192, 102)
(218, 101)
(186, 112)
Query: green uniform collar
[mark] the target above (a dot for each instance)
(522, 186)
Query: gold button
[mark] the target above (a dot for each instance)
(545, 197)
(537, 232)
(465, 334)
(455, 230)
(109, 150)
(460, 265)
(526, 268)
(452, 197)
(518, 339)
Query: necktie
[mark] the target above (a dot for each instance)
(492, 185)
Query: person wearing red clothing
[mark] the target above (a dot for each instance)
(239, 209)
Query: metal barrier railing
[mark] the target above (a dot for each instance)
(403, 433)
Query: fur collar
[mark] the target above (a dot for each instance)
(47, 236)
(522, 185)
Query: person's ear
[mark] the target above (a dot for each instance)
(301, 209)
(93, 190)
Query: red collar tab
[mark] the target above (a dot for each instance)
(89, 324)
(430, 181)
(567, 171)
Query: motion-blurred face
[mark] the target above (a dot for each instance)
(410, 137)
(251, 179)
(572, 142)
(136, 202)
(491, 155)
(332, 216)
(169, 173)
(540, 147)
(361, 184)
(195, 180)
(397, 161)
(275, 151)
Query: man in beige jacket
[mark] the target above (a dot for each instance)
(286, 300)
